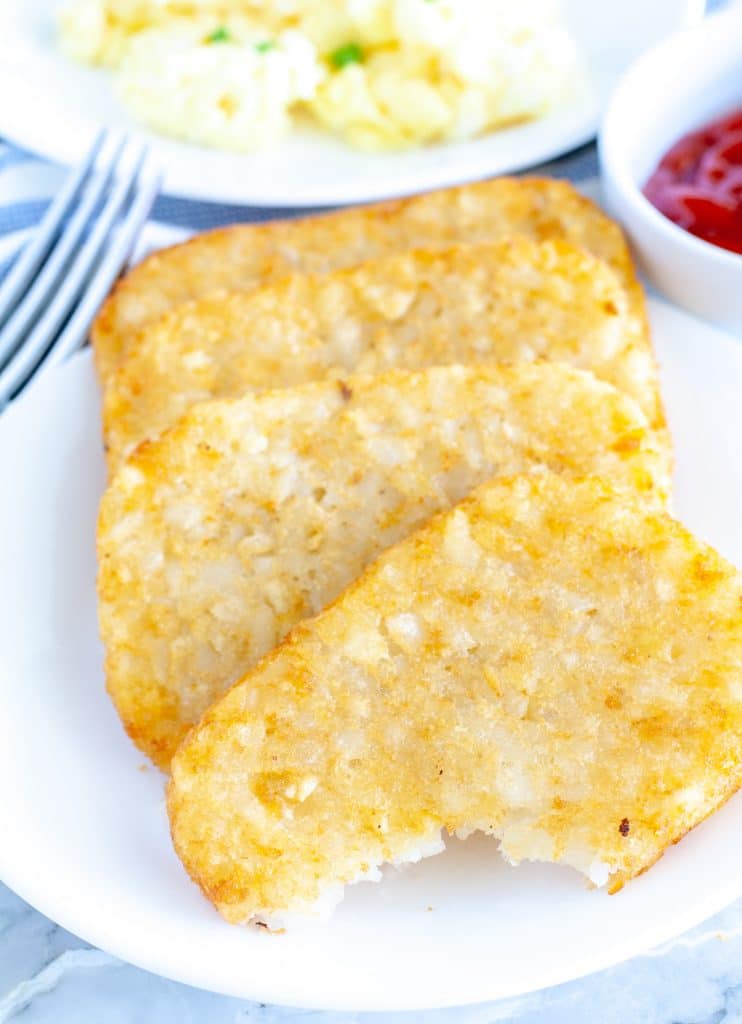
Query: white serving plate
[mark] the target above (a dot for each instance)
(54, 108)
(84, 831)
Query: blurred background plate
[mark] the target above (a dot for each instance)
(53, 107)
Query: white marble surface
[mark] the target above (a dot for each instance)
(47, 976)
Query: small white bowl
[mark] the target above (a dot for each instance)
(682, 84)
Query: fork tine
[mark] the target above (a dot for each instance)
(42, 239)
(76, 330)
(39, 292)
(22, 365)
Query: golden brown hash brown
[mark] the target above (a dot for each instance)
(251, 514)
(509, 301)
(243, 256)
(497, 671)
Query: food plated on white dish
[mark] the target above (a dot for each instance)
(692, 134)
(384, 75)
(61, 104)
(90, 847)
(339, 682)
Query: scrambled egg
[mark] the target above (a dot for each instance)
(382, 74)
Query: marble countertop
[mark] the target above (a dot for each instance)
(47, 975)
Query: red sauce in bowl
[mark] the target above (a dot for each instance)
(698, 183)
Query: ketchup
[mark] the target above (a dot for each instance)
(698, 183)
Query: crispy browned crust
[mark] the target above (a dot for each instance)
(251, 514)
(243, 256)
(548, 662)
(726, 789)
(515, 300)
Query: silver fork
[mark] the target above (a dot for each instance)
(53, 291)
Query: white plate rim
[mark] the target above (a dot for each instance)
(89, 930)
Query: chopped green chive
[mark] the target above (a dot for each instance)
(351, 53)
(265, 46)
(219, 35)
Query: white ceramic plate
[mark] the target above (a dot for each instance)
(57, 107)
(84, 831)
